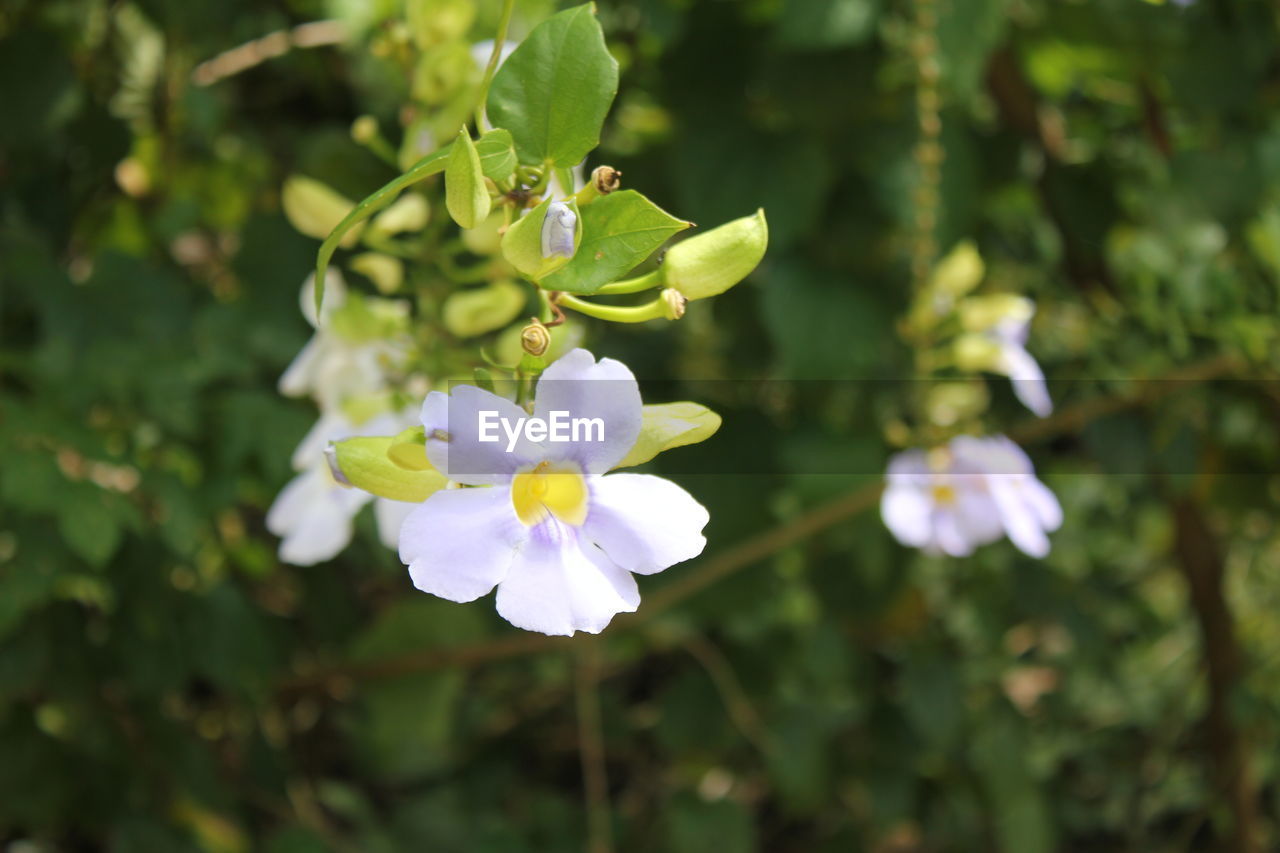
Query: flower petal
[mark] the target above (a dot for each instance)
(1027, 379)
(299, 377)
(329, 427)
(576, 383)
(1020, 520)
(558, 585)
(644, 523)
(908, 513)
(950, 537)
(463, 457)
(459, 543)
(390, 516)
(312, 515)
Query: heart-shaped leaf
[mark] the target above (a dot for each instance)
(554, 91)
(619, 231)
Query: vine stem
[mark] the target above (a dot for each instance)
(648, 281)
(615, 313)
(499, 40)
(337, 680)
(595, 780)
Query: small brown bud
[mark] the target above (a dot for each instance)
(606, 179)
(535, 337)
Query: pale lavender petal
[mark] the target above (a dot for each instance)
(976, 515)
(908, 513)
(644, 523)
(459, 543)
(559, 585)
(453, 427)
(949, 535)
(606, 390)
(1020, 521)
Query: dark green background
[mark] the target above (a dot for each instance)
(1117, 161)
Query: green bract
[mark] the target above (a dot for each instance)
(465, 192)
(522, 244)
(478, 310)
(554, 91)
(618, 232)
(669, 425)
(314, 208)
(711, 263)
(386, 466)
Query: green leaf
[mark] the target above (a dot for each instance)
(522, 244)
(465, 193)
(387, 466)
(619, 231)
(88, 526)
(554, 91)
(669, 425)
(430, 165)
(497, 154)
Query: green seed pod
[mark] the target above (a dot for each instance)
(711, 263)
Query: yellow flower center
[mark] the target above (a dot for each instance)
(549, 490)
(944, 495)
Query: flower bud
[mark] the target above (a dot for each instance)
(959, 272)
(976, 352)
(979, 313)
(558, 231)
(386, 272)
(949, 403)
(535, 338)
(364, 129)
(606, 179)
(315, 209)
(478, 310)
(408, 213)
(711, 263)
(675, 303)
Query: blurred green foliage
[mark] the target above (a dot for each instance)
(1117, 160)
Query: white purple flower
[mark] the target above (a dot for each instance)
(331, 367)
(558, 537)
(953, 499)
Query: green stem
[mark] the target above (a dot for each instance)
(647, 281)
(498, 42)
(654, 310)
